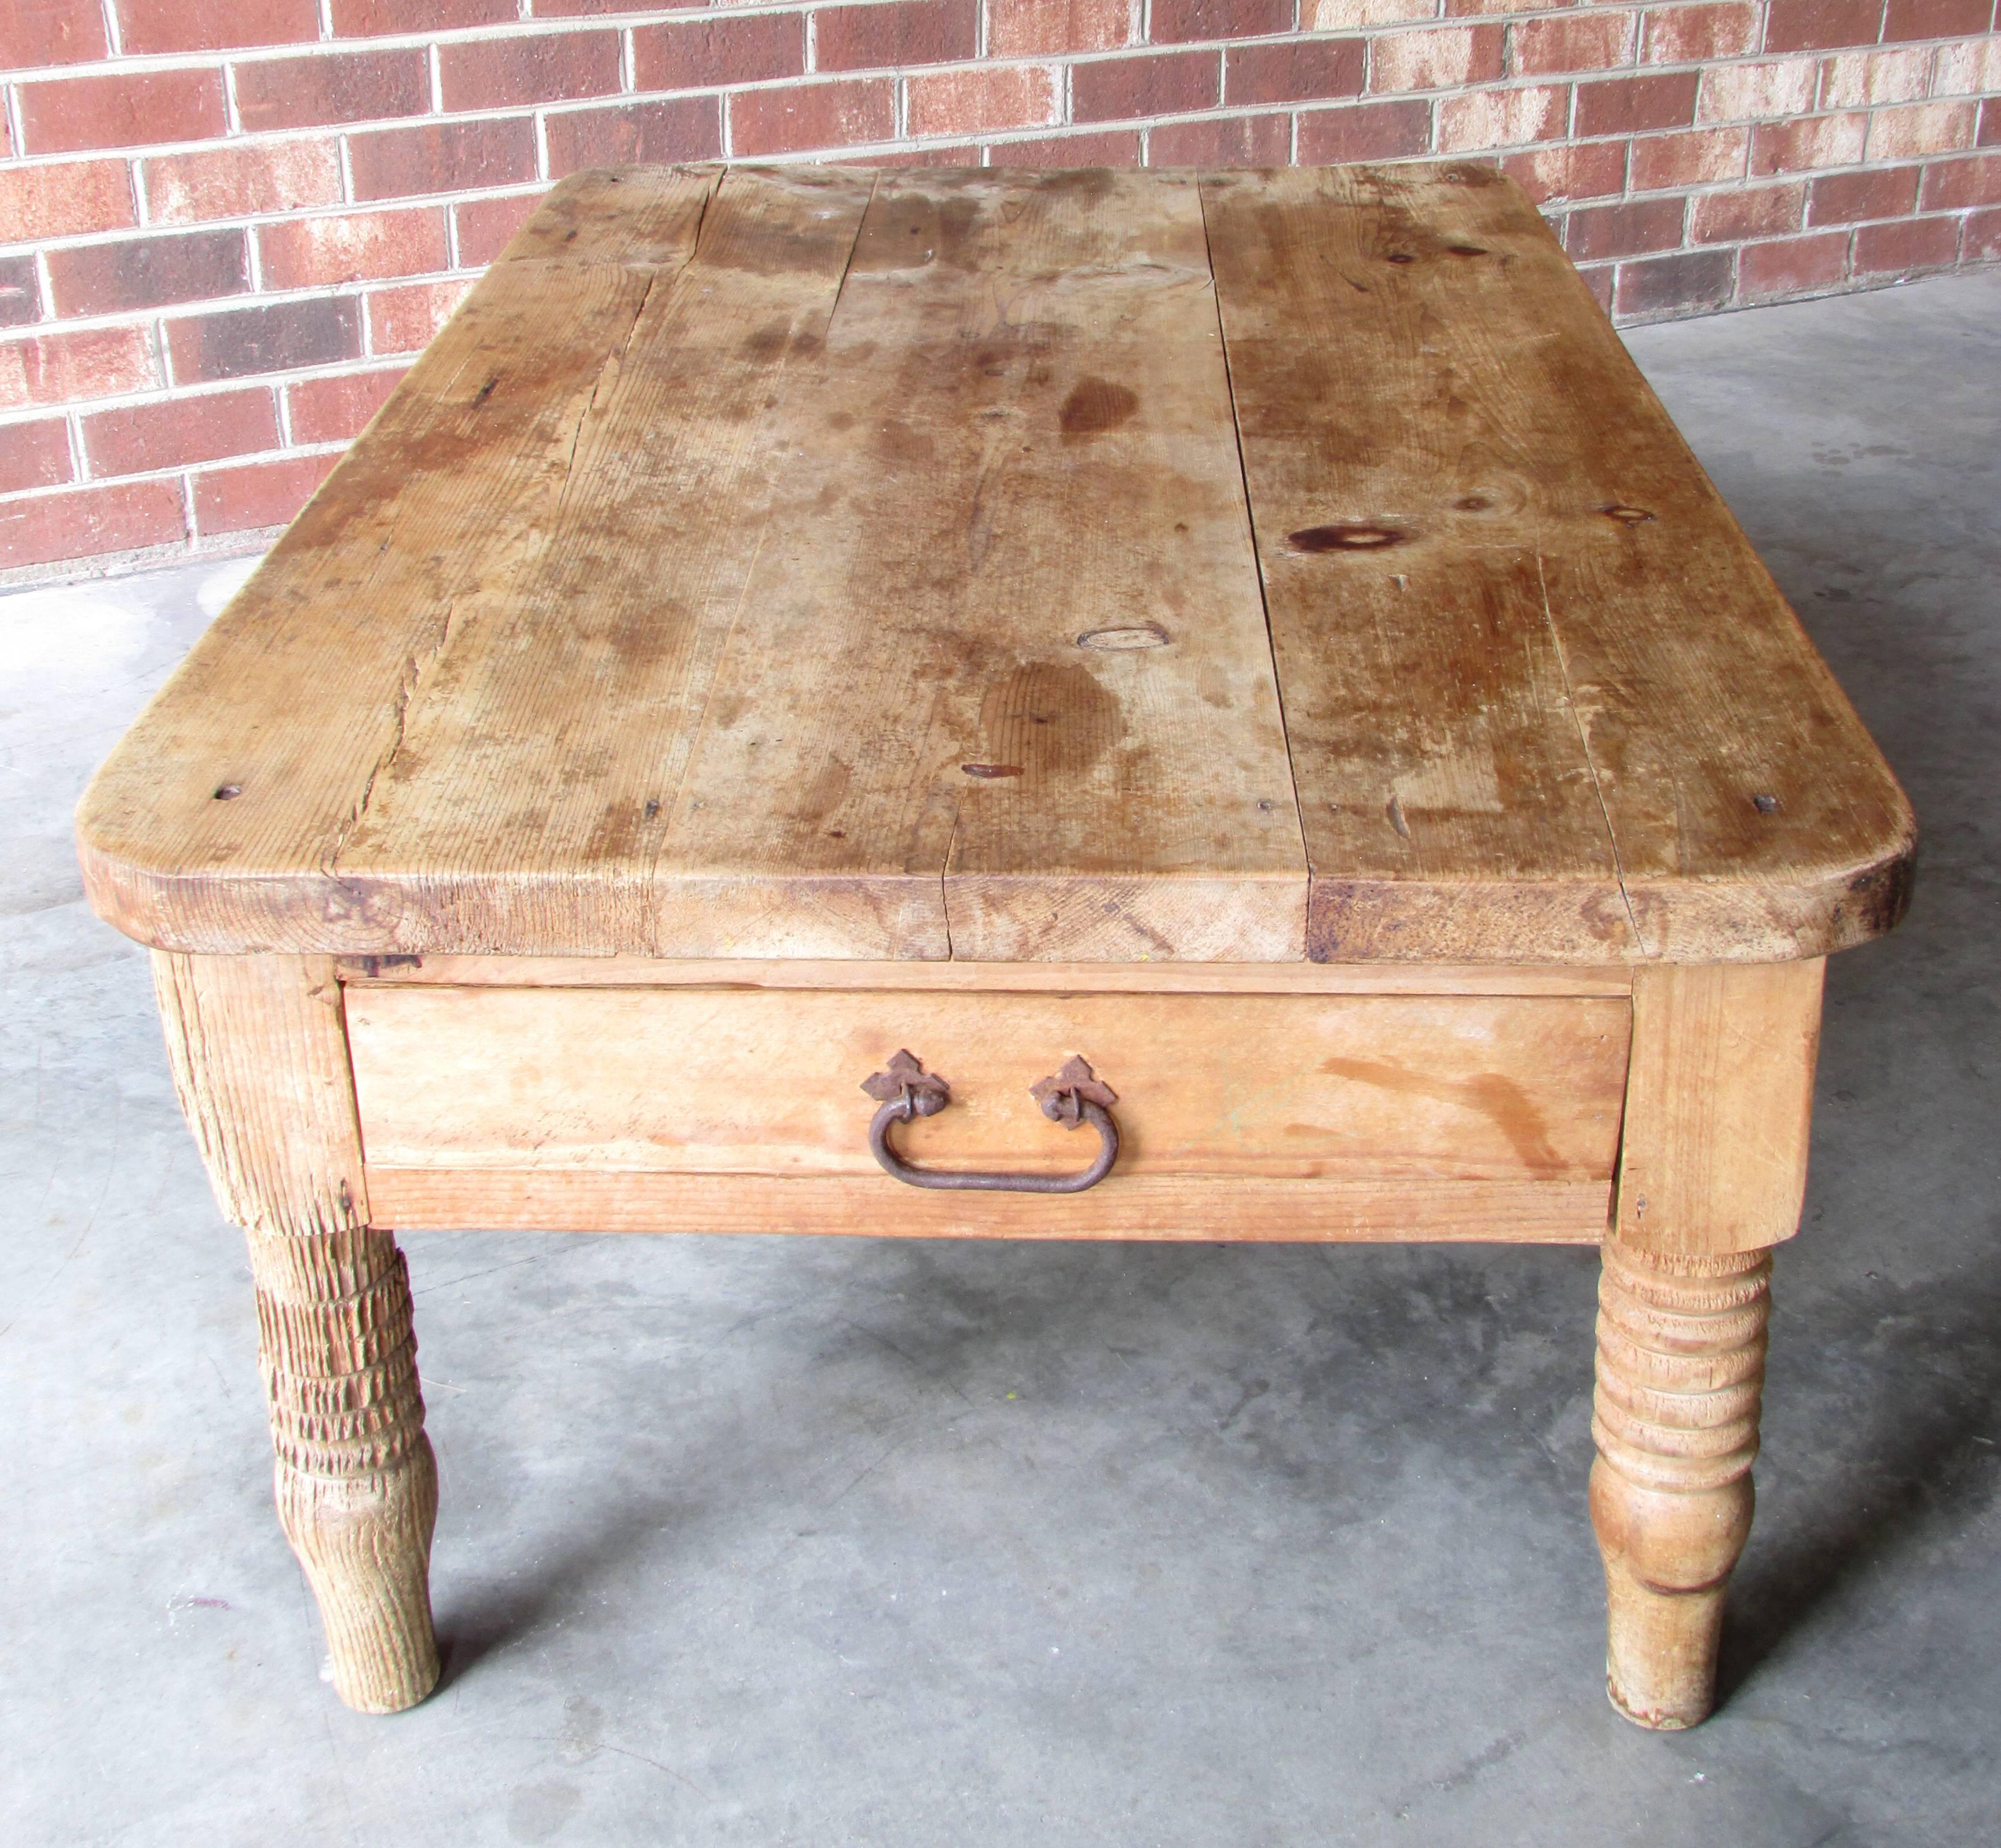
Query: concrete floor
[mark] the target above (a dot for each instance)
(769, 1541)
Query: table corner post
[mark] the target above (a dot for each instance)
(1712, 1175)
(258, 1050)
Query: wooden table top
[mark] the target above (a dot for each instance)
(1007, 565)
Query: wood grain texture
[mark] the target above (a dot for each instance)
(1680, 1373)
(1719, 1105)
(1543, 699)
(1170, 1207)
(1023, 978)
(260, 1060)
(694, 1080)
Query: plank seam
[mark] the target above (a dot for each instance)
(1257, 556)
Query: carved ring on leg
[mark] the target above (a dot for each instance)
(1681, 1366)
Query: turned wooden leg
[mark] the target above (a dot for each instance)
(356, 1483)
(259, 1054)
(1681, 1363)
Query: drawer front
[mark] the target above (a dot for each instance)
(551, 1095)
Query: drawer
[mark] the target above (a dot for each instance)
(1260, 1115)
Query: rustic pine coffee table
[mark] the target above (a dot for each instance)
(1238, 665)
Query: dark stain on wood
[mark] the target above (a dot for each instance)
(1094, 406)
(1051, 718)
(1345, 536)
(1498, 1098)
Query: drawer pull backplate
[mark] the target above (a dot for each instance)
(1074, 1097)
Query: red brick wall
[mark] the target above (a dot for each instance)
(224, 226)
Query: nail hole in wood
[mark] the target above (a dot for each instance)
(1764, 805)
(228, 792)
(991, 770)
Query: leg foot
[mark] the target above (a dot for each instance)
(357, 1484)
(1681, 1365)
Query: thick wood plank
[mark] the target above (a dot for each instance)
(1005, 625)
(770, 1082)
(1719, 1102)
(1542, 700)
(1164, 1207)
(297, 697)
(1042, 978)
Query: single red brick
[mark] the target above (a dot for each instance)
(63, 199)
(281, 337)
(237, 182)
(1596, 40)
(142, 438)
(1185, 21)
(1628, 105)
(20, 292)
(1364, 131)
(312, 253)
(1907, 245)
(1792, 266)
(1697, 156)
(904, 32)
(336, 409)
(34, 455)
(142, 272)
(256, 494)
(1438, 57)
(1478, 120)
(1989, 133)
(1876, 192)
(1573, 170)
(150, 26)
(1820, 25)
(1110, 90)
(1983, 236)
(1747, 212)
(35, 33)
(1921, 130)
(1698, 35)
(1599, 279)
(371, 18)
(677, 128)
(128, 110)
(1952, 185)
(812, 115)
(1222, 141)
(1021, 28)
(484, 225)
(442, 157)
(406, 320)
(686, 54)
(1810, 141)
(60, 368)
(980, 99)
(118, 516)
(543, 67)
(1903, 20)
(1627, 229)
(1305, 70)
(1686, 283)
(350, 86)
(1113, 148)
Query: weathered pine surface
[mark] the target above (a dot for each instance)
(1010, 566)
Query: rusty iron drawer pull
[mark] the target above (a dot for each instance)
(1075, 1096)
